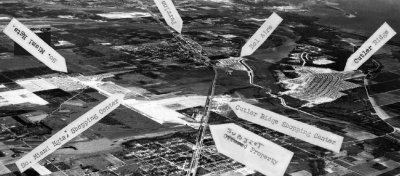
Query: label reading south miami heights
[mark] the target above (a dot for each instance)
(72, 130)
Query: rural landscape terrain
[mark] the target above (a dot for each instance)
(125, 47)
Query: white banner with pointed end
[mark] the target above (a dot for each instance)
(372, 45)
(288, 126)
(69, 132)
(35, 45)
(261, 35)
(170, 14)
(250, 149)
(41, 170)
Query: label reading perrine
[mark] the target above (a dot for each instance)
(261, 35)
(35, 45)
(288, 126)
(250, 149)
(170, 14)
(372, 45)
(72, 130)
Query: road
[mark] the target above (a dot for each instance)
(379, 111)
(190, 46)
(203, 127)
(250, 73)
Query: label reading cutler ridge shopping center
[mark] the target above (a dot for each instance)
(288, 126)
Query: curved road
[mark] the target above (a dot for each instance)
(250, 73)
(380, 112)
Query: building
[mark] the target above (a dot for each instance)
(33, 117)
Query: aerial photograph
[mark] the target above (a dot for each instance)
(200, 87)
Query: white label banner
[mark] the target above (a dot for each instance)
(250, 149)
(372, 45)
(41, 170)
(72, 130)
(261, 35)
(35, 45)
(170, 14)
(288, 126)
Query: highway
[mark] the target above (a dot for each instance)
(379, 111)
(197, 50)
(203, 127)
(382, 115)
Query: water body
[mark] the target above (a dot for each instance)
(361, 16)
